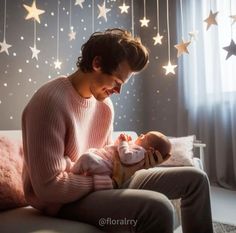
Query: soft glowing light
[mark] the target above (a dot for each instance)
(33, 12)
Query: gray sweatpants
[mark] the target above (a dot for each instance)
(143, 205)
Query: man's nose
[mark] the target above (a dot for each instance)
(117, 89)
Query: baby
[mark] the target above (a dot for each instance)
(100, 161)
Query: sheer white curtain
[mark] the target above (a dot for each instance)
(207, 87)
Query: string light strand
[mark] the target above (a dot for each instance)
(158, 24)
(4, 24)
(92, 16)
(132, 16)
(58, 4)
(168, 29)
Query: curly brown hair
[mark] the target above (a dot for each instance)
(113, 46)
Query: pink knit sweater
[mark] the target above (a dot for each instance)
(58, 122)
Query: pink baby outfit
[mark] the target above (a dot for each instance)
(58, 122)
(100, 161)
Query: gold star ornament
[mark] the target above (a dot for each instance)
(33, 12)
(211, 19)
(170, 68)
(234, 18)
(144, 22)
(124, 8)
(157, 39)
(231, 49)
(182, 47)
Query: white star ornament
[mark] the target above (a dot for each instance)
(72, 35)
(157, 39)
(33, 12)
(57, 64)
(144, 22)
(193, 35)
(103, 11)
(4, 47)
(170, 68)
(124, 8)
(35, 52)
(79, 2)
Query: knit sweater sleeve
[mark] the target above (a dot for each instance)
(44, 129)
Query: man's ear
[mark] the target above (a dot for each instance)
(97, 63)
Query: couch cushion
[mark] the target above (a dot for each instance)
(12, 134)
(29, 220)
(11, 163)
(181, 151)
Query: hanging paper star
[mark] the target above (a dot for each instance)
(170, 68)
(103, 11)
(33, 12)
(144, 22)
(211, 19)
(231, 49)
(4, 47)
(124, 8)
(57, 64)
(182, 47)
(234, 18)
(193, 35)
(72, 35)
(79, 2)
(157, 39)
(35, 52)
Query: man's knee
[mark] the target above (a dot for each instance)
(156, 213)
(163, 207)
(198, 175)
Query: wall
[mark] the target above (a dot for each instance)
(160, 107)
(147, 102)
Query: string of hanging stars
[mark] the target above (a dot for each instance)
(126, 8)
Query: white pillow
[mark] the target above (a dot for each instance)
(181, 151)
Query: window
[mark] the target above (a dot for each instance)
(215, 39)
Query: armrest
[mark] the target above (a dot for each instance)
(200, 146)
(198, 163)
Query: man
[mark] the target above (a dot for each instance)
(69, 115)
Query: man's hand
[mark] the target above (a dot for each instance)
(154, 158)
(122, 173)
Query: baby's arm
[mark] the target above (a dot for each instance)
(130, 154)
(90, 164)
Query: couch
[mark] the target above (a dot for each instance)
(28, 220)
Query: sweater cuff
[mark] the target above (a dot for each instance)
(102, 182)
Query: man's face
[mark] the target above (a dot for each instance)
(104, 85)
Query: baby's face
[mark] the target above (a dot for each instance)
(151, 139)
(142, 140)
